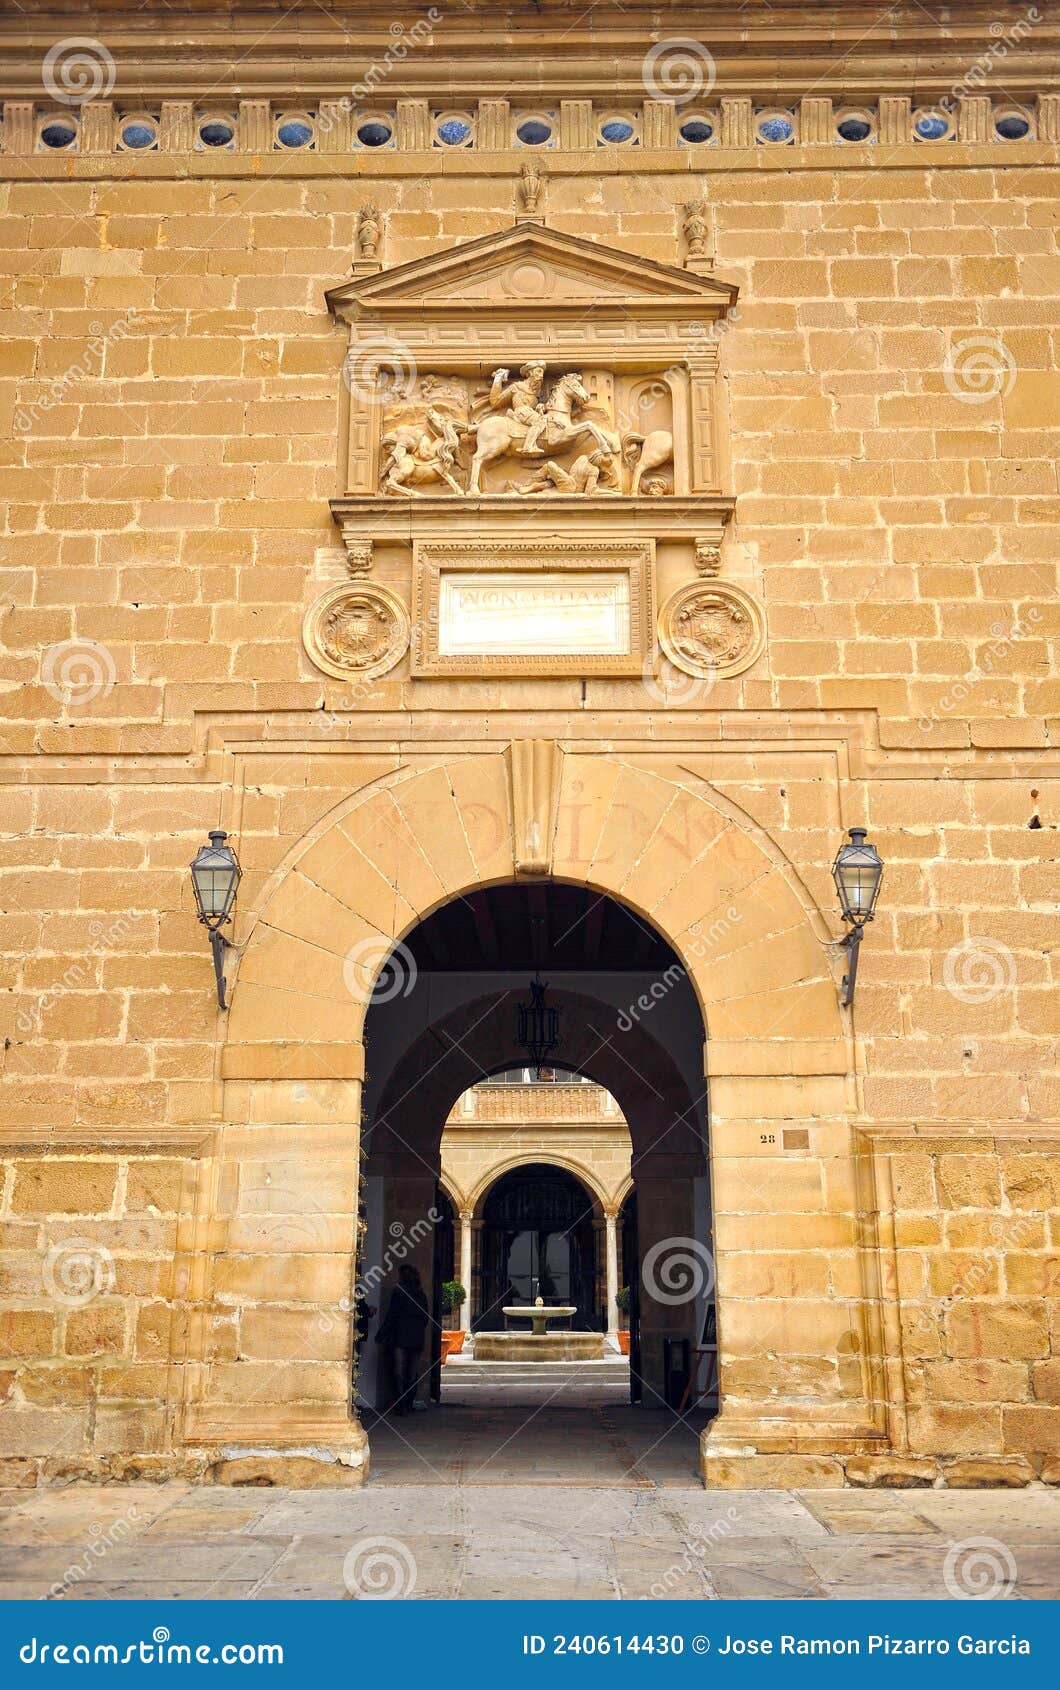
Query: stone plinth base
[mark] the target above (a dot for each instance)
(551, 1346)
(753, 1470)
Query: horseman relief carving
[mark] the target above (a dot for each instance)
(472, 437)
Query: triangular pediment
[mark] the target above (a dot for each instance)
(529, 267)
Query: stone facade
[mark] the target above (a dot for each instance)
(578, 1128)
(864, 446)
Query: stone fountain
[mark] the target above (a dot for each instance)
(539, 1344)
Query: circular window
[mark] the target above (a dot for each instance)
(454, 131)
(930, 126)
(1012, 126)
(138, 133)
(59, 132)
(616, 130)
(294, 132)
(696, 130)
(217, 132)
(776, 129)
(534, 132)
(374, 133)
(854, 128)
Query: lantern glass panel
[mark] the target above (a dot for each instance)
(857, 872)
(215, 875)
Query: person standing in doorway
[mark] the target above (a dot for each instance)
(403, 1331)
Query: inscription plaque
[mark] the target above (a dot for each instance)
(533, 614)
(532, 607)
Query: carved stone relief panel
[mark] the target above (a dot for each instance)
(535, 428)
(530, 363)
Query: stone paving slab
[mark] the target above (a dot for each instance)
(523, 1541)
(173, 1590)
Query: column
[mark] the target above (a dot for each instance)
(611, 1246)
(465, 1268)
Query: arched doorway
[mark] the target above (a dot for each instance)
(804, 1362)
(466, 970)
(538, 1240)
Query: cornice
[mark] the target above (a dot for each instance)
(486, 51)
(154, 1140)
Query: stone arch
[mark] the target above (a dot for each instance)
(453, 1192)
(713, 885)
(526, 1159)
(778, 1062)
(459, 1048)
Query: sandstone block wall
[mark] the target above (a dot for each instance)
(170, 411)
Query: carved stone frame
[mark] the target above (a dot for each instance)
(461, 312)
(432, 558)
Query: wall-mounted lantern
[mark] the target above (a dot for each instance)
(215, 876)
(857, 872)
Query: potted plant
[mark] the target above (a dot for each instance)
(622, 1300)
(453, 1295)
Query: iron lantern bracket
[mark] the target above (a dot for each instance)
(219, 945)
(851, 943)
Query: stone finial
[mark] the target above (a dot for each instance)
(695, 223)
(369, 231)
(531, 188)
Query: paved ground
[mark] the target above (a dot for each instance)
(543, 1498)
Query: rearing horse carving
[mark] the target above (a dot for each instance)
(500, 435)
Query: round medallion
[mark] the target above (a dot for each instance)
(527, 281)
(356, 629)
(712, 629)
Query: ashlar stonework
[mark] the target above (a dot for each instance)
(774, 415)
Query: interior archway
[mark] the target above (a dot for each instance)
(443, 1023)
(537, 1238)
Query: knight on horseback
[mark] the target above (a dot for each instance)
(523, 397)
